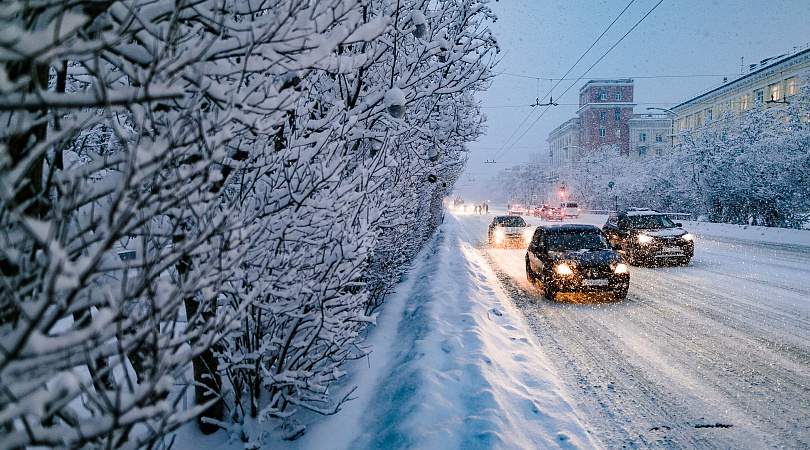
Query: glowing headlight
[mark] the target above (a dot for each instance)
(499, 235)
(620, 268)
(643, 238)
(527, 235)
(687, 237)
(563, 269)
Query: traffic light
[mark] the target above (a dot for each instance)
(562, 193)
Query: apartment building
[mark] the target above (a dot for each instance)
(769, 83)
(650, 135)
(563, 144)
(605, 107)
(605, 119)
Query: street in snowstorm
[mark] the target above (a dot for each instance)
(715, 354)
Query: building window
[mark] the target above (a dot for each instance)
(642, 151)
(618, 133)
(602, 115)
(617, 114)
(603, 96)
(602, 132)
(642, 137)
(708, 115)
(793, 88)
(744, 102)
(659, 137)
(775, 92)
(618, 96)
(760, 97)
(659, 151)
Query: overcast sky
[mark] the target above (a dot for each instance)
(668, 55)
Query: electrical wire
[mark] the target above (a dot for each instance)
(625, 76)
(585, 73)
(504, 149)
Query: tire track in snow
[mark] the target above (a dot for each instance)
(721, 341)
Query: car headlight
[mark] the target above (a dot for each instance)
(687, 237)
(527, 235)
(499, 235)
(620, 268)
(643, 238)
(563, 269)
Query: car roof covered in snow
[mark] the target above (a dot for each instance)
(641, 212)
(569, 227)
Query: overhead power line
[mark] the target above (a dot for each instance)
(696, 75)
(589, 69)
(505, 148)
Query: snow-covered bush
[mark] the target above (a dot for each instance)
(132, 133)
(344, 200)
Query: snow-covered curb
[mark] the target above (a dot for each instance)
(452, 367)
(750, 233)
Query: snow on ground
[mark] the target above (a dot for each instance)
(453, 365)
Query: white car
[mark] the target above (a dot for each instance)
(570, 209)
(509, 231)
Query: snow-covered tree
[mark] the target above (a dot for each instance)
(752, 171)
(125, 124)
(349, 188)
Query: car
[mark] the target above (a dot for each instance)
(646, 236)
(553, 213)
(509, 231)
(516, 210)
(540, 210)
(575, 258)
(571, 209)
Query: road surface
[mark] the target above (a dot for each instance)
(712, 355)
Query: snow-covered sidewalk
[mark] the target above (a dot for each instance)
(452, 367)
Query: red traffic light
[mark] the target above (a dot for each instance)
(562, 193)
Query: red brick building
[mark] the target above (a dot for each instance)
(605, 107)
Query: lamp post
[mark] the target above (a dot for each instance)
(673, 115)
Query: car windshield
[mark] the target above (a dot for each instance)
(576, 241)
(513, 221)
(650, 221)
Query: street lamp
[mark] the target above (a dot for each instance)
(671, 124)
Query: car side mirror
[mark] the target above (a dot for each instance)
(678, 224)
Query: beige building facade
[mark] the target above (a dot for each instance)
(650, 135)
(767, 84)
(563, 144)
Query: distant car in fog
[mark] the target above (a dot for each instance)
(570, 209)
(539, 210)
(553, 213)
(516, 210)
(509, 231)
(575, 258)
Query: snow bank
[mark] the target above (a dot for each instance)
(452, 367)
(750, 233)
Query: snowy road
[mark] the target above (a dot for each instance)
(712, 355)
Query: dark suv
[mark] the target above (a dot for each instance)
(575, 258)
(645, 236)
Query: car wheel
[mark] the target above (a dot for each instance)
(530, 276)
(549, 290)
(685, 261)
(620, 294)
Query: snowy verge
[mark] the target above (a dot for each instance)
(769, 235)
(452, 366)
